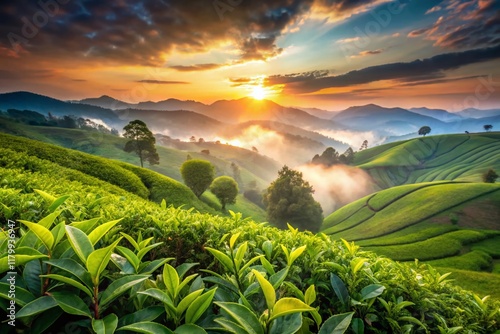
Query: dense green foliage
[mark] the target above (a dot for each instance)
(425, 130)
(490, 176)
(197, 175)
(331, 157)
(225, 189)
(255, 278)
(289, 201)
(141, 142)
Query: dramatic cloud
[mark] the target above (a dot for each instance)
(433, 67)
(145, 32)
(468, 24)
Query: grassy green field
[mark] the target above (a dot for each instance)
(108, 146)
(447, 224)
(459, 157)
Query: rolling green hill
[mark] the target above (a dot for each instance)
(258, 169)
(461, 157)
(448, 224)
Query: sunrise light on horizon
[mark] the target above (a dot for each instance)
(324, 54)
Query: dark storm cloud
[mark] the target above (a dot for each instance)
(416, 70)
(145, 32)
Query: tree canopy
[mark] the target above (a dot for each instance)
(197, 175)
(289, 200)
(331, 157)
(490, 176)
(425, 130)
(142, 142)
(225, 189)
(488, 127)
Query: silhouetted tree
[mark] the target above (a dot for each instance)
(142, 142)
(488, 127)
(255, 149)
(364, 145)
(289, 200)
(490, 176)
(192, 139)
(225, 189)
(425, 130)
(197, 175)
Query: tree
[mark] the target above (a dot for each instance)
(490, 176)
(225, 189)
(197, 175)
(488, 127)
(364, 145)
(289, 200)
(142, 142)
(425, 130)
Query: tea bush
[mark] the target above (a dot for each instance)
(92, 255)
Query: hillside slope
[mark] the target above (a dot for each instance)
(455, 224)
(111, 147)
(460, 157)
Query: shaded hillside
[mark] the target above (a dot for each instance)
(386, 121)
(447, 157)
(175, 123)
(45, 105)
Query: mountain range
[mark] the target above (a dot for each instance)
(183, 119)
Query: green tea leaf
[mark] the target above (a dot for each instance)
(340, 289)
(119, 287)
(189, 329)
(98, 260)
(36, 306)
(372, 291)
(267, 289)
(295, 254)
(336, 324)
(310, 295)
(42, 233)
(288, 305)
(199, 306)
(105, 326)
(79, 242)
(188, 300)
(23, 256)
(242, 316)
(57, 203)
(22, 298)
(233, 239)
(223, 258)
(171, 280)
(71, 303)
(147, 327)
(101, 230)
(289, 324)
(71, 282)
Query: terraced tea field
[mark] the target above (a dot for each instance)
(461, 157)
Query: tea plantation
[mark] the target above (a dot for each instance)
(95, 254)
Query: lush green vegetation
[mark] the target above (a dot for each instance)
(463, 157)
(110, 260)
(253, 168)
(453, 225)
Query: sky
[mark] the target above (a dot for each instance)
(328, 54)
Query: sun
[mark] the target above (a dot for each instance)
(258, 93)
